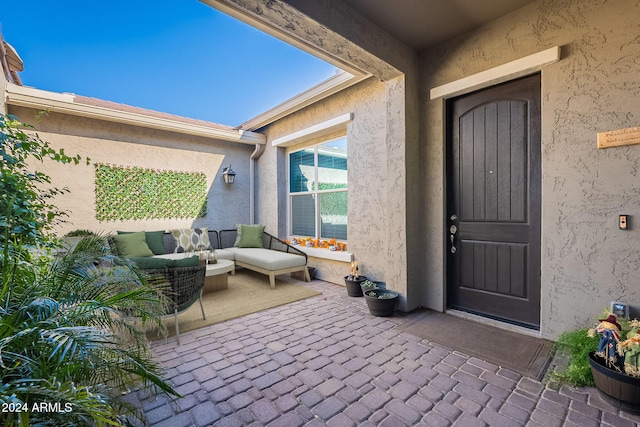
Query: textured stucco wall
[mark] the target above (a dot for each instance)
(586, 261)
(125, 145)
(376, 178)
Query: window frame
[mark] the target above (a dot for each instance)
(315, 193)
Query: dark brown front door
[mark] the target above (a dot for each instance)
(493, 202)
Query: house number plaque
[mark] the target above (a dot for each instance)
(618, 138)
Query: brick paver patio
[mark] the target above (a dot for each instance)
(326, 361)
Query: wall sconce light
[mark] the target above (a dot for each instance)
(229, 175)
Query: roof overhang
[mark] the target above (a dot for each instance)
(66, 103)
(332, 85)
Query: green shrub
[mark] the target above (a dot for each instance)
(63, 337)
(576, 345)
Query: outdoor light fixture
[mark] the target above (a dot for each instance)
(229, 175)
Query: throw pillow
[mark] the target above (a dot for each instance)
(238, 235)
(191, 239)
(155, 240)
(250, 236)
(132, 245)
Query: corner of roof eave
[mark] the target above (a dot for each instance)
(64, 103)
(332, 85)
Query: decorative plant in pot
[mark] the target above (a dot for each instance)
(368, 285)
(381, 302)
(353, 281)
(615, 363)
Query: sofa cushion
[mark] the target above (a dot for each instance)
(152, 262)
(249, 236)
(191, 239)
(225, 254)
(267, 259)
(155, 240)
(186, 262)
(132, 245)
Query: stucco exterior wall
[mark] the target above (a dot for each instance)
(586, 260)
(124, 145)
(376, 199)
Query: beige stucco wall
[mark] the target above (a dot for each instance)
(376, 209)
(124, 145)
(586, 260)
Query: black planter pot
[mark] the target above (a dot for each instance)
(353, 286)
(617, 388)
(382, 307)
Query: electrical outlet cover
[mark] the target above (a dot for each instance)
(621, 310)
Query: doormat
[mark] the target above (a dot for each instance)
(528, 356)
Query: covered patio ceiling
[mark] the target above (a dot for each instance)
(423, 24)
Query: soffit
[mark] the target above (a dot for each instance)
(422, 24)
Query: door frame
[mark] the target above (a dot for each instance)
(448, 158)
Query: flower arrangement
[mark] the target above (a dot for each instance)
(310, 242)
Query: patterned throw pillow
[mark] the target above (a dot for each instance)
(191, 239)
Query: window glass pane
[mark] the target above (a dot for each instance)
(303, 215)
(333, 215)
(301, 171)
(332, 165)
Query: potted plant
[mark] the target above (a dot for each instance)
(614, 364)
(368, 285)
(381, 302)
(353, 281)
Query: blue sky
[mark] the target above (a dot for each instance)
(183, 58)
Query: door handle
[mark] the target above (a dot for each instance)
(453, 229)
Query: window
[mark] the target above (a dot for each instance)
(318, 190)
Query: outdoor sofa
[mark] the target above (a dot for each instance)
(263, 252)
(249, 246)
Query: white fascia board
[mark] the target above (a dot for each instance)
(327, 88)
(64, 103)
(315, 131)
(500, 74)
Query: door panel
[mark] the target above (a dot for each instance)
(493, 199)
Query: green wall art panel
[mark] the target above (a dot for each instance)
(135, 193)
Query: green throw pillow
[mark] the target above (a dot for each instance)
(250, 236)
(155, 240)
(132, 245)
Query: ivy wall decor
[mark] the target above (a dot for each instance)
(135, 193)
